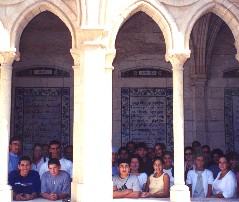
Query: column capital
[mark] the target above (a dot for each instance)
(8, 57)
(75, 53)
(178, 59)
(109, 58)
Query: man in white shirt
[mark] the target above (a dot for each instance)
(55, 152)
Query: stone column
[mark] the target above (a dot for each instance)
(92, 178)
(179, 190)
(6, 60)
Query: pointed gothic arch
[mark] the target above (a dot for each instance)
(225, 12)
(156, 11)
(61, 11)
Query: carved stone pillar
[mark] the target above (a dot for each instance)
(179, 190)
(6, 60)
(92, 127)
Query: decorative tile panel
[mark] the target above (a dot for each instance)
(147, 116)
(231, 119)
(41, 115)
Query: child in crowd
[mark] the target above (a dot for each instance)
(55, 183)
(157, 185)
(125, 185)
(200, 180)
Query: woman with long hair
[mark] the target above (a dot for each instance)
(157, 185)
(37, 159)
(135, 162)
(225, 185)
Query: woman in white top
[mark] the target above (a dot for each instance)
(134, 169)
(157, 185)
(37, 159)
(225, 185)
(168, 166)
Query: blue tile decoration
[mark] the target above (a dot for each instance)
(41, 115)
(147, 115)
(231, 119)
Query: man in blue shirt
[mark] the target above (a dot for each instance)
(55, 183)
(14, 153)
(26, 184)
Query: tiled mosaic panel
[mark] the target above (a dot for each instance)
(231, 119)
(147, 115)
(41, 115)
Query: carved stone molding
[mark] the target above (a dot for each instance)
(75, 53)
(7, 58)
(178, 2)
(7, 2)
(109, 58)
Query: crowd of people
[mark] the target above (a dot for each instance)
(47, 174)
(137, 171)
(140, 171)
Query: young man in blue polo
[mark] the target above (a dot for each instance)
(55, 183)
(26, 184)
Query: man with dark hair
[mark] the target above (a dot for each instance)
(55, 152)
(15, 145)
(215, 154)
(196, 145)
(206, 150)
(55, 183)
(26, 184)
(125, 185)
(68, 153)
(131, 147)
(123, 153)
(146, 164)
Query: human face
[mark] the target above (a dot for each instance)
(124, 154)
(114, 157)
(55, 151)
(24, 167)
(45, 151)
(141, 152)
(215, 158)
(158, 150)
(206, 152)
(37, 152)
(234, 163)
(131, 148)
(196, 145)
(15, 147)
(188, 155)
(158, 166)
(54, 169)
(69, 153)
(199, 162)
(168, 160)
(223, 164)
(134, 164)
(124, 170)
(150, 153)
